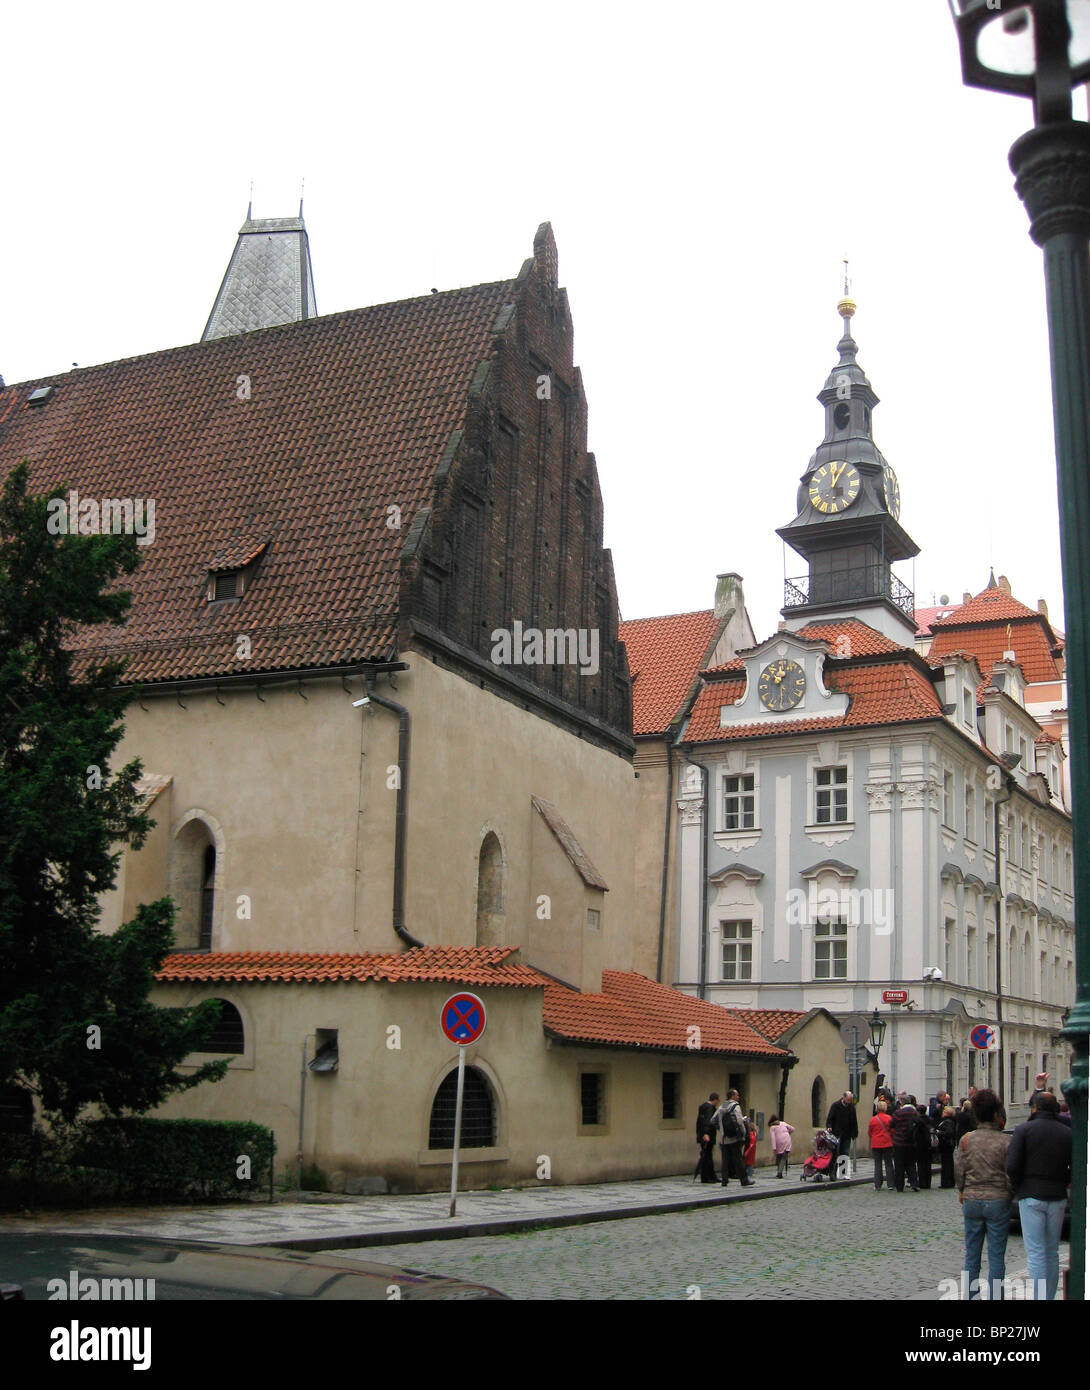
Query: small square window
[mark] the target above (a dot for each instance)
(594, 919)
(226, 585)
(326, 1054)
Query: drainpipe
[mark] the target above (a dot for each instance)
(400, 812)
(703, 895)
(302, 1105)
(788, 1063)
(1000, 935)
(666, 848)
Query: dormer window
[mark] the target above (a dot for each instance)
(230, 574)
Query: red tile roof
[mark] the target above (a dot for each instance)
(1028, 640)
(894, 692)
(348, 415)
(849, 638)
(633, 1011)
(990, 606)
(471, 965)
(925, 617)
(664, 656)
(771, 1023)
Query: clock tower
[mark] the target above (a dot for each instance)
(847, 528)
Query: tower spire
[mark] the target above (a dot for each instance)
(269, 279)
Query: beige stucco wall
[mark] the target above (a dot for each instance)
(371, 1116)
(299, 796)
(650, 763)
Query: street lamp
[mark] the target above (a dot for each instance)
(878, 1027)
(1041, 50)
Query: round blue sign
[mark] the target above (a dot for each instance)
(981, 1037)
(462, 1018)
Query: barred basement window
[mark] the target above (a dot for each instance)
(228, 1033)
(592, 1097)
(671, 1095)
(478, 1112)
(831, 795)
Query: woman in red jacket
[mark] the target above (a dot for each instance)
(749, 1158)
(881, 1146)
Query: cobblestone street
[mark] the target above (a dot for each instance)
(856, 1244)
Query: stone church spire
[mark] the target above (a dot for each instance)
(269, 278)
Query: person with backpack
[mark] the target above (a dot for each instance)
(732, 1135)
(706, 1125)
(904, 1123)
(780, 1132)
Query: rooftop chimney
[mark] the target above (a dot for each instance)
(966, 596)
(1004, 583)
(728, 594)
(1042, 608)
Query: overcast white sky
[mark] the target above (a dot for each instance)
(705, 169)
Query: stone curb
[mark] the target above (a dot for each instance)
(460, 1230)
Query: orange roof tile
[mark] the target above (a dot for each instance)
(664, 656)
(926, 617)
(1028, 640)
(989, 606)
(633, 1011)
(771, 1023)
(894, 692)
(471, 965)
(346, 413)
(850, 638)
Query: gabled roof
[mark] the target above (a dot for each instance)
(472, 965)
(633, 1011)
(346, 416)
(664, 657)
(849, 638)
(771, 1023)
(980, 627)
(926, 617)
(892, 692)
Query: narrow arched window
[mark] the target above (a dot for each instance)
(192, 885)
(818, 1109)
(208, 896)
(491, 898)
(478, 1112)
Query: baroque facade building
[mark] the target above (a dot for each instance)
(859, 823)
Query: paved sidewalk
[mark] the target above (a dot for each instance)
(323, 1222)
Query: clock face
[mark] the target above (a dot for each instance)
(782, 685)
(834, 487)
(891, 491)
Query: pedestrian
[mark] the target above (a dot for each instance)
(937, 1106)
(843, 1122)
(948, 1137)
(1039, 1167)
(780, 1132)
(1040, 1086)
(881, 1146)
(749, 1157)
(926, 1142)
(706, 1126)
(732, 1135)
(984, 1191)
(966, 1122)
(904, 1123)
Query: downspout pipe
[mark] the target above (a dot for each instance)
(788, 1063)
(702, 898)
(666, 848)
(1000, 934)
(401, 810)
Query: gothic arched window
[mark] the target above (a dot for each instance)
(478, 1112)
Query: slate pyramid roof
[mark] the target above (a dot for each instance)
(269, 279)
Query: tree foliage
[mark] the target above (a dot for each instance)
(76, 1025)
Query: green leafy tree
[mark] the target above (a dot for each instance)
(76, 1025)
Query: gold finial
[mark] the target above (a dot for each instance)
(846, 305)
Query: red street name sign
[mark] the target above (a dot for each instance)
(895, 996)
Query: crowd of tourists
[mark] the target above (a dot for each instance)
(991, 1169)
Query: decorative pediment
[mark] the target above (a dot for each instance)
(784, 683)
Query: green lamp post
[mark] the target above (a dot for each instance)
(1041, 50)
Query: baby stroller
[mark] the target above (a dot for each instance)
(822, 1161)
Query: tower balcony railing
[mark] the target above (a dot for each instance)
(849, 586)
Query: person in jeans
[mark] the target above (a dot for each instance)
(980, 1171)
(881, 1146)
(732, 1135)
(1039, 1167)
(780, 1132)
(905, 1121)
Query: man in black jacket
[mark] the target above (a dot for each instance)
(903, 1126)
(706, 1127)
(1039, 1167)
(844, 1123)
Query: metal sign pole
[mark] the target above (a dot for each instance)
(855, 1083)
(457, 1130)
